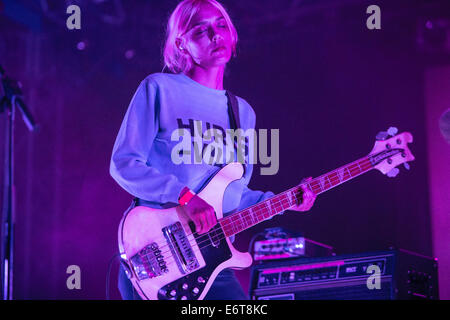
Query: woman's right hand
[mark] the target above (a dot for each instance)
(201, 213)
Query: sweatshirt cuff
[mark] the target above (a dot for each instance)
(174, 193)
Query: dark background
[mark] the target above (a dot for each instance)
(309, 68)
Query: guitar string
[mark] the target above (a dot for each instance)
(205, 238)
(219, 238)
(239, 220)
(202, 238)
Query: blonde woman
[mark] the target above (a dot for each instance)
(201, 39)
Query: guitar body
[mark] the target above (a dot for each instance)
(166, 260)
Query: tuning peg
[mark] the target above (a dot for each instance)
(382, 135)
(392, 131)
(406, 165)
(393, 173)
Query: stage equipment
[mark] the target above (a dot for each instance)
(383, 275)
(11, 99)
(166, 258)
(279, 243)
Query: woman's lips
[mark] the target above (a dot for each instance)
(219, 48)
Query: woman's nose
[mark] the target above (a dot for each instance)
(215, 36)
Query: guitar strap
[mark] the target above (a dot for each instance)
(233, 110)
(233, 113)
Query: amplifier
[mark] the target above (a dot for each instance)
(272, 249)
(279, 243)
(382, 275)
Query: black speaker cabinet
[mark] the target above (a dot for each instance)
(383, 275)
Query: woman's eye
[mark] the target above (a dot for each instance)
(200, 30)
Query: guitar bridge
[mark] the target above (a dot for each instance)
(149, 262)
(181, 248)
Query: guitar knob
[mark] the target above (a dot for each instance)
(183, 298)
(173, 293)
(195, 290)
(162, 292)
(200, 280)
(185, 286)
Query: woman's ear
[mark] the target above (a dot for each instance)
(180, 44)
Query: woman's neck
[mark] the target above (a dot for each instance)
(211, 77)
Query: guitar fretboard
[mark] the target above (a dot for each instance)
(244, 219)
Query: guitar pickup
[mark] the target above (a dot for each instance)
(181, 248)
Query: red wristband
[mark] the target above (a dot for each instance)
(187, 195)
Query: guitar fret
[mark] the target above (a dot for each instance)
(321, 183)
(329, 181)
(292, 199)
(265, 210)
(235, 225)
(251, 215)
(340, 175)
(333, 179)
(317, 185)
(282, 201)
(278, 204)
(349, 173)
(232, 228)
(295, 199)
(269, 207)
(244, 221)
(240, 221)
(248, 217)
(289, 199)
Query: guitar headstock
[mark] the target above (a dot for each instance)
(388, 153)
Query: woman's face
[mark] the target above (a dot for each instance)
(208, 39)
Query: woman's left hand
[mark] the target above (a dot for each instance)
(308, 198)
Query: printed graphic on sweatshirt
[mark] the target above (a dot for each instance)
(212, 144)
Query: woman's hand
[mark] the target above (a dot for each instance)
(201, 213)
(308, 198)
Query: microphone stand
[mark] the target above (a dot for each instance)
(12, 99)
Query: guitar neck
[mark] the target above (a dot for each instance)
(247, 218)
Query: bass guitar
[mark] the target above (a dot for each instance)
(166, 259)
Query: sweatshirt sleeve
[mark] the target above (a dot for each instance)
(129, 165)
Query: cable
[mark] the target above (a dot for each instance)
(108, 274)
(252, 240)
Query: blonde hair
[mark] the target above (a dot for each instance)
(177, 25)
